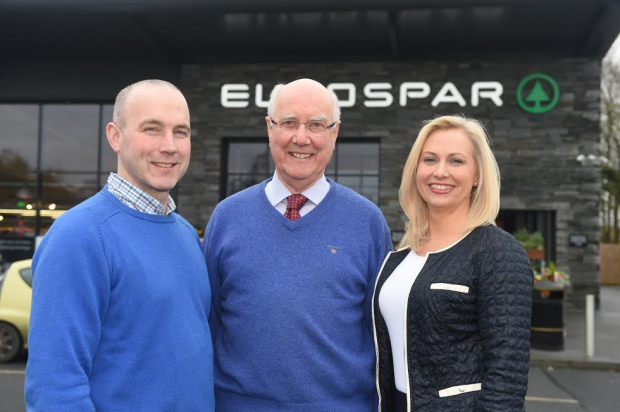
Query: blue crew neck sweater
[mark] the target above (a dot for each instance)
(291, 318)
(119, 316)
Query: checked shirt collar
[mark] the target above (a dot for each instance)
(136, 198)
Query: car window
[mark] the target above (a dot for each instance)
(26, 274)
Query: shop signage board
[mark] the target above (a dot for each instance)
(536, 94)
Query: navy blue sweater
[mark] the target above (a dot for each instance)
(291, 319)
(119, 314)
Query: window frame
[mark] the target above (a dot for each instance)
(228, 141)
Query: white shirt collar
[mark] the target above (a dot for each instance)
(276, 191)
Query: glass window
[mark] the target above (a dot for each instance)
(17, 215)
(356, 166)
(542, 221)
(70, 137)
(65, 190)
(18, 137)
(248, 164)
(73, 145)
(62, 191)
(358, 159)
(108, 156)
(26, 274)
(353, 164)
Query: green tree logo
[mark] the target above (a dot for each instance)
(532, 96)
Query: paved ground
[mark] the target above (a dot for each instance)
(573, 383)
(607, 336)
(571, 390)
(550, 389)
(12, 387)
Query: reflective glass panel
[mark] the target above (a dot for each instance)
(248, 158)
(354, 164)
(70, 137)
(358, 158)
(237, 183)
(17, 216)
(26, 274)
(62, 191)
(65, 190)
(18, 136)
(108, 156)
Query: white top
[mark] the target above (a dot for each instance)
(277, 194)
(392, 303)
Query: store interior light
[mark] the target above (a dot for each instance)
(33, 213)
(29, 206)
(1, 218)
(52, 206)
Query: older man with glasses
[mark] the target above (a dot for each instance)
(292, 263)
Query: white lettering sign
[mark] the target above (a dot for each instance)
(448, 94)
(237, 95)
(347, 87)
(258, 99)
(373, 91)
(487, 90)
(413, 90)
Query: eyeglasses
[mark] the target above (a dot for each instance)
(313, 126)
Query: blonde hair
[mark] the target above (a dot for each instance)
(484, 205)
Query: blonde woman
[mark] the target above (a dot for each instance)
(452, 307)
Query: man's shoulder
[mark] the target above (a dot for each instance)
(245, 198)
(184, 223)
(77, 229)
(93, 210)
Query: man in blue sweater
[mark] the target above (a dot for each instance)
(292, 263)
(121, 295)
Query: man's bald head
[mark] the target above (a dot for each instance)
(305, 84)
(120, 103)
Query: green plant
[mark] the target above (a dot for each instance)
(551, 273)
(530, 240)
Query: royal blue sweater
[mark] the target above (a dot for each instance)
(291, 318)
(119, 314)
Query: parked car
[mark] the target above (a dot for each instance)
(15, 297)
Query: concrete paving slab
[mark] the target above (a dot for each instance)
(606, 342)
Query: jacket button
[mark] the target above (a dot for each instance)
(461, 390)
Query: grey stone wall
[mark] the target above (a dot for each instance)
(536, 152)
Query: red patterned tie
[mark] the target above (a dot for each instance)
(294, 203)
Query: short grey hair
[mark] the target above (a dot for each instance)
(273, 97)
(121, 97)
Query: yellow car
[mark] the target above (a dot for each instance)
(15, 297)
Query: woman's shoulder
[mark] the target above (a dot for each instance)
(494, 237)
(496, 246)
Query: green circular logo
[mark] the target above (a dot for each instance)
(532, 96)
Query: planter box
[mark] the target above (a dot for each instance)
(535, 254)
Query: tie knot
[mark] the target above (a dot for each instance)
(294, 203)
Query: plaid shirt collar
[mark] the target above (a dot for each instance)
(136, 198)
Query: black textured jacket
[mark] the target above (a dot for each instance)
(467, 334)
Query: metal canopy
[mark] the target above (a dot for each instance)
(192, 31)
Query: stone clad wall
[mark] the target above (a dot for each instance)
(536, 152)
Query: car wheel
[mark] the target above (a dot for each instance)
(10, 342)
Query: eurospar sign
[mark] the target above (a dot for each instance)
(375, 94)
(532, 96)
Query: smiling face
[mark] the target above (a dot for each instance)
(301, 156)
(446, 172)
(153, 143)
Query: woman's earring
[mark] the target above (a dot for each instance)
(475, 183)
